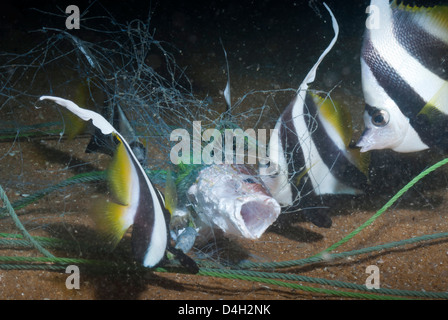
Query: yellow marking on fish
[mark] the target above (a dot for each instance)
(361, 160)
(73, 124)
(438, 104)
(302, 174)
(119, 174)
(337, 116)
(109, 218)
(170, 193)
(437, 14)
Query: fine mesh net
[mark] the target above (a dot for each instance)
(109, 68)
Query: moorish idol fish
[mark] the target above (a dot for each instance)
(404, 65)
(309, 149)
(136, 201)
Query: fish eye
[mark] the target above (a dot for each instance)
(380, 118)
(250, 180)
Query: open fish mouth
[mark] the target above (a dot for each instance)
(224, 197)
(257, 216)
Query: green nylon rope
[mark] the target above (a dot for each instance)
(20, 226)
(341, 255)
(334, 283)
(296, 286)
(229, 273)
(264, 277)
(80, 178)
(386, 206)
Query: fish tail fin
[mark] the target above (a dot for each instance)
(110, 220)
(112, 217)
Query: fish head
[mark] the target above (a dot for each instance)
(387, 128)
(233, 199)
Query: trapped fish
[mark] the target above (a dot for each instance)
(309, 151)
(232, 198)
(404, 65)
(136, 201)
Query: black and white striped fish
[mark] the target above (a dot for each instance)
(135, 200)
(404, 64)
(309, 149)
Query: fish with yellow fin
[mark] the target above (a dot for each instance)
(404, 65)
(73, 125)
(309, 150)
(135, 202)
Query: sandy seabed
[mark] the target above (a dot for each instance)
(28, 165)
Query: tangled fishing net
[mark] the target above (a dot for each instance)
(112, 67)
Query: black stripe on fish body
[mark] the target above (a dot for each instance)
(101, 143)
(144, 220)
(429, 50)
(293, 153)
(334, 159)
(404, 96)
(432, 133)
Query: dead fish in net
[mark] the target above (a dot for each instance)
(233, 199)
(309, 150)
(404, 77)
(137, 201)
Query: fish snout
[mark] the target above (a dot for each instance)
(365, 141)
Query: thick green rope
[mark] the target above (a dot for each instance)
(80, 178)
(30, 264)
(341, 255)
(228, 274)
(249, 275)
(27, 131)
(20, 226)
(386, 206)
(355, 295)
(334, 283)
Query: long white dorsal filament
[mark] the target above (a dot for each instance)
(312, 73)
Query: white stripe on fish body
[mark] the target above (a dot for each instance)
(134, 194)
(406, 55)
(159, 237)
(275, 177)
(158, 243)
(427, 22)
(426, 84)
(398, 134)
(323, 181)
